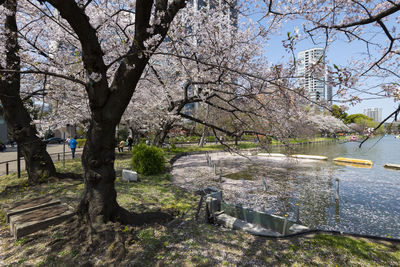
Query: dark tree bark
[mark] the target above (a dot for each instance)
(162, 133)
(107, 104)
(203, 137)
(39, 164)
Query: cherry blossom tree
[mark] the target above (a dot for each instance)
(327, 124)
(108, 98)
(38, 162)
(218, 66)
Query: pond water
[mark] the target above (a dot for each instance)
(368, 199)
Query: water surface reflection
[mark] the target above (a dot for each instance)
(368, 201)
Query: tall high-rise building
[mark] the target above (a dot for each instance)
(314, 75)
(374, 113)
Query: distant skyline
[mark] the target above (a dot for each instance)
(340, 53)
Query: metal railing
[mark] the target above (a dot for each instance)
(6, 167)
(9, 166)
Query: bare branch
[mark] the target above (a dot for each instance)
(371, 19)
(395, 114)
(45, 73)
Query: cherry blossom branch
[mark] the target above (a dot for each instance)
(92, 54)
(270, 81)
(39, 92)
(45, 73)
(54, 20)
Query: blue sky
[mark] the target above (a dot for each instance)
(340, 53)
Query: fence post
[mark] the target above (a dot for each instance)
(58, 156)
(298, 213)
(18, 160)
(284, 225)
(64, 150)
(7, 168)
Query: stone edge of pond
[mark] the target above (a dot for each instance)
(184, 154)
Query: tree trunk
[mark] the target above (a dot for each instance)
(99, 199)
(161, 134)
(203, 137)
(108, 102)
(135, 135)
(39, 164)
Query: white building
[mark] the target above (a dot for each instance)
(314, 75)
(374, 113)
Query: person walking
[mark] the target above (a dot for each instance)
(72, 145)
(2, 147)
(130, 143)
(121, 146)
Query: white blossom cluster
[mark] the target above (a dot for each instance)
(328, 124)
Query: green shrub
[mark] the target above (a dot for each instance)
(81, 142)
(147, 160)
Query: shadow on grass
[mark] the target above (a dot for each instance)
(323, 249)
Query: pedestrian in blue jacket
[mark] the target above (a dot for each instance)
(72, 145)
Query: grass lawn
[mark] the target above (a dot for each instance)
(182, 242)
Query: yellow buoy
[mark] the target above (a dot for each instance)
(354, 165)
(353, 161)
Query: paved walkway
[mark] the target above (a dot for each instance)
(55, 151)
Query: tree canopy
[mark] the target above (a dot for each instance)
(143, 61)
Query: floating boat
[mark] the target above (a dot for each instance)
(271, 155)
(354, 165)
(398, 136)
(309, 157)
(392, 166)
(353, 161)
